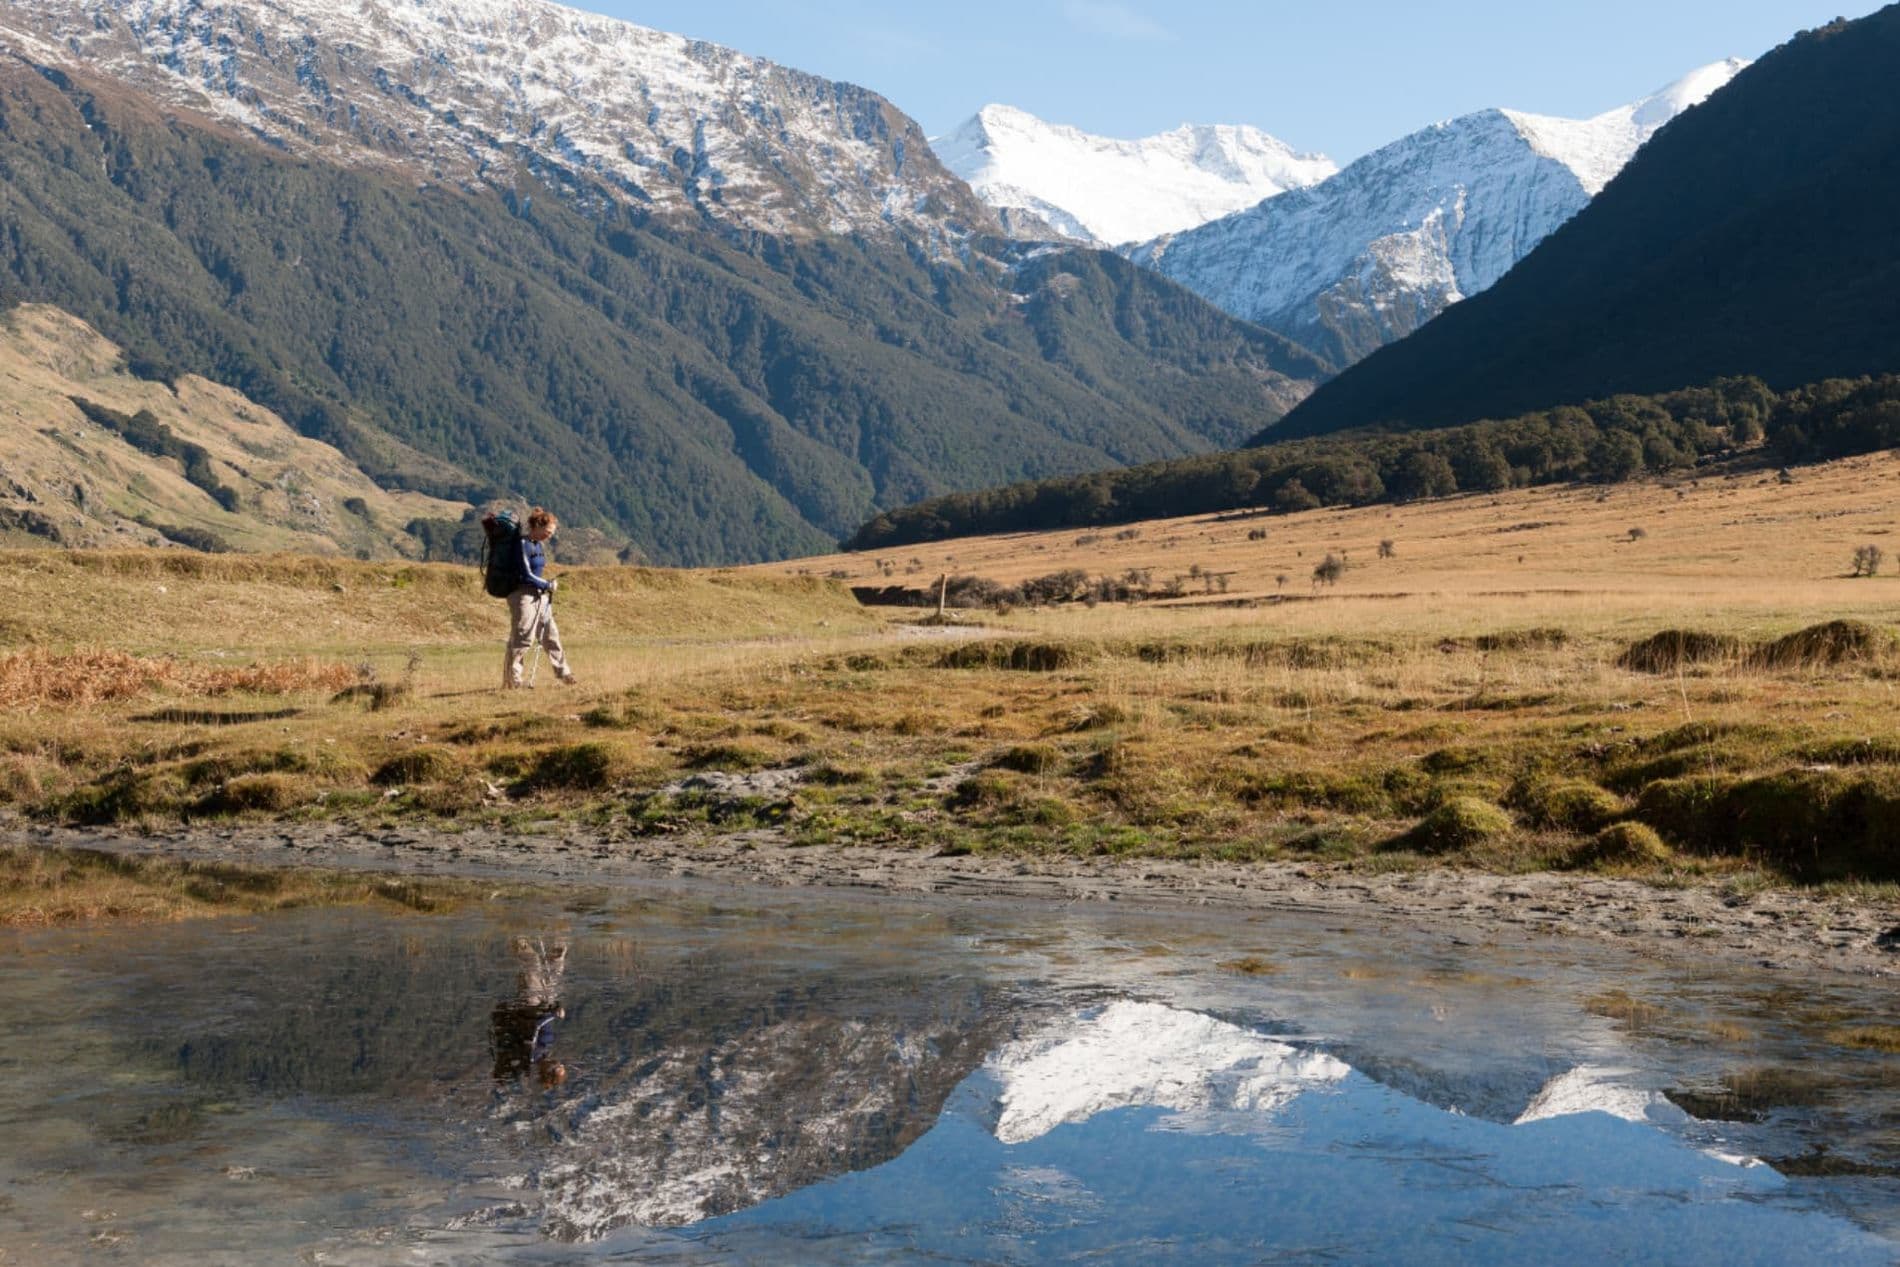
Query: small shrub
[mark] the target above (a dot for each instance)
(1388, 549)
(1867, 559)
(1637, 534)
(1328, 570)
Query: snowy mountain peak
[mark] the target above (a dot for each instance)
(1091, 188)
(483, 91)
(1368, 256)
(1691, 90)
(1596, 149)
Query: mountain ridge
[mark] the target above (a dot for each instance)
(464, 91)
(1047, 179)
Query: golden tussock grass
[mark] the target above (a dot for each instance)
(37, 677)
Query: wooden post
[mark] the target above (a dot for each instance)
(943, 593)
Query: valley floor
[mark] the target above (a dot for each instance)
(1662, 712)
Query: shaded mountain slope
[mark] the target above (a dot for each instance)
(716, 396)
(1754, 235)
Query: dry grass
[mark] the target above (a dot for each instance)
(37, 678)
(1426, 690)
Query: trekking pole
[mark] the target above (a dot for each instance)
(544, 612)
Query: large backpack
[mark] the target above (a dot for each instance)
(501, 553)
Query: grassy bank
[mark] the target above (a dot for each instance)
(1661, 716)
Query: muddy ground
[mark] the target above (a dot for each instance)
(1781, 928)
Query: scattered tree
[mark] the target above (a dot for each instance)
(1388, 549)
(1637, 534)
(1328, 570)
(1867, 560)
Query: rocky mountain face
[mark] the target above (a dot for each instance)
(473, 91)
(1047, 180)
(1367, 257)
(695, 300)
(1753, 236)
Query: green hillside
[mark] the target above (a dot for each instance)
(1756, 235)
(717, 398)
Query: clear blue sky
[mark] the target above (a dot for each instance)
(1340, 76)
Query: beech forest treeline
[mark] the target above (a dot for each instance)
(1619, 438)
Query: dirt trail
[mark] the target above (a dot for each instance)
(1776, 928)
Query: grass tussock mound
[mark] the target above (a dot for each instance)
(1566, 804)
(1622, 844)
(38, 678)
(1543, 638)
(1460, 823)
(1674, 649)
(1807, 824)
(1023, 657)
(1820, 646)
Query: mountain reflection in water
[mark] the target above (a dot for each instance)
(808, 1082)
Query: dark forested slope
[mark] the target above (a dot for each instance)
(717, 396)
(1757, 234)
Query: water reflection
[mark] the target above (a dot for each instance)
(525, 1022)
(685, 1081)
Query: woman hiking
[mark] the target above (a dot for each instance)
(531, 604)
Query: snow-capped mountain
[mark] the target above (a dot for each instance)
(1368, 256)
(1049, 180)
(1146, 1054)
(483, 90)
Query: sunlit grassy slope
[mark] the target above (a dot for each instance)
(1739, 546)
(1466, 696)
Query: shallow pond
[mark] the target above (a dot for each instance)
(731, 1076)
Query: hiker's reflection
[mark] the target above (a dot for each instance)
(525, 1024)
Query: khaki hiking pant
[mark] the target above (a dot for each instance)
(529, 614)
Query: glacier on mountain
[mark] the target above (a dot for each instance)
(1366, 257)
(1046, 179)
(491, 91)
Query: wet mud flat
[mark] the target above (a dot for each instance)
(1774, 928)
(687, 1070)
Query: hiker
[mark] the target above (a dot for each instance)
(531, 603)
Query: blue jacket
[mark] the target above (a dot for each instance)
(533, 558)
